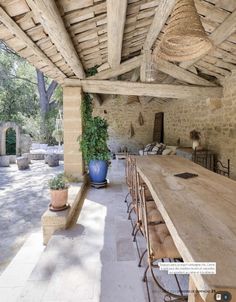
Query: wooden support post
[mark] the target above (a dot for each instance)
(73, 162)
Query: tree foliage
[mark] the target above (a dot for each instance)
(17, 92)
(27, 97)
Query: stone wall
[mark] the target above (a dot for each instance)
(120, 115)
(215, 119)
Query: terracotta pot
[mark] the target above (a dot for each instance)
(59, 198)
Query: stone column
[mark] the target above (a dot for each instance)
(73, 162)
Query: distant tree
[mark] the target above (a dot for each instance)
(17, 92)
(25, 90)
(45, 95)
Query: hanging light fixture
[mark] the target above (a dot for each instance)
(184, 38)
(151, 72)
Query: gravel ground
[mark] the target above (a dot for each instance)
(24, 197)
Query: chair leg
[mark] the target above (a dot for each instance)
(145, 273)
(134, 228)
(129, 205)
(130, 212)
(135, 234)
(141, 258)
(126, 197)
(169, 294)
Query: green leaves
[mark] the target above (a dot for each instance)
(58, 182)
(93, 142)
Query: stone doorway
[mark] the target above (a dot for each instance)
(10, 141)
(5, 129)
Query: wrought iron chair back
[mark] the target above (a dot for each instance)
(222, 169)
(151, 256)
(128, 170)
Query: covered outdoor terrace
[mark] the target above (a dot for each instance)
(152, 84)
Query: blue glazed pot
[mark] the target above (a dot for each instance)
(98, 170)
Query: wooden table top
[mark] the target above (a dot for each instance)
(200, 214)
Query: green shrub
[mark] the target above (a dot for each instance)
(58, 182)
(93, 142)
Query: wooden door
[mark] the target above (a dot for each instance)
(158, 130)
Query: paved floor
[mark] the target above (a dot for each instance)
(95, 260)
(24, 197)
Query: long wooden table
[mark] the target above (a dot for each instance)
(200, 214)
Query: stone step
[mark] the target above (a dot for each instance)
(15, 276)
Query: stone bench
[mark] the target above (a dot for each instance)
(22, 163)
(39, 156)
(53, 221)
(4, 161)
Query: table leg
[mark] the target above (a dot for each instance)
(193, 295)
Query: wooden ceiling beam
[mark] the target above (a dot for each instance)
(20, 34)
(145, 89)
(119, 70)
(219, 35)
(50, 18)
(172, 70)
(162, 13)
(116, 18)
(181, 74)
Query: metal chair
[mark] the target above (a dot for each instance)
(222, 169)
(128, 177)
(154, 215)
(160, 245)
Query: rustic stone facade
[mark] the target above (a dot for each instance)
(215, 119)
(120, 115)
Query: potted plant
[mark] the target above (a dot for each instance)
(59, 192)
(93, 143)
(195, 136)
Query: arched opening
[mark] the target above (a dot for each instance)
(10, 141)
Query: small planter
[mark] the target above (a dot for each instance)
(59, 198)
(59, 193)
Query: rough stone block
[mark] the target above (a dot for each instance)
(4, 161)
(22, 163)
(12, 159)
(52, 160)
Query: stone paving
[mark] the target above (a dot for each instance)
(24, 197)
(95, 260)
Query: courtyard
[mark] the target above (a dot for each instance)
(24, 198)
